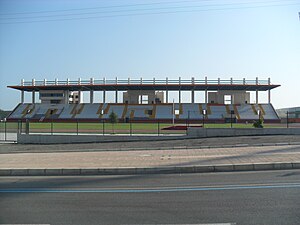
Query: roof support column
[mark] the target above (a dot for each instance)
(66, 96)
(91, 91)
(116, 100)
(193, 96)
(79, 97)
(22, 97)
(91, 97)
(179, 96)
(269, 91)
(256, 95)
(116, 95)
(193, 91)
(205, 100)
(104, 97)
(33, 92)
(104, 94)
(33, 97)
(167, 92)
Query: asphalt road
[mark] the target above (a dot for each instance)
(271, 197)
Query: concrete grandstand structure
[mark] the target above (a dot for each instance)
(145, 100)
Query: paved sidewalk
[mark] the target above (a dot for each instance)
(151, 158)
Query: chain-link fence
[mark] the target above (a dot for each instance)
(9, 130)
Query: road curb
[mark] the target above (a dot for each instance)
(154, 170)
(159, 148)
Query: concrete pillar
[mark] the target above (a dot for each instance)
(193, 91)
(91, 91)
(179, 94)
(91, 96)
(79, 96)
(22, 97)
(104, 97)
(56, 81)
(256, 100)
(33, 92)
(33, 97)
(205, 91)
(193, 96)
(167, 92)
(256, 97)
(45, 82)
(66, 96)
(104, 93)
(167, 96)
(116, 95)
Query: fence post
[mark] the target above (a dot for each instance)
(52, 127)
(21, 127)
(130, 128)
(103, 129)
(18, 127)
(5, 137)
(287, 119)
(158, 128)
(27, 127)
(77, 126)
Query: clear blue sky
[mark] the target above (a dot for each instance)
(218, 38)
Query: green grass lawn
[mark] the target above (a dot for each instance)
(118, 127)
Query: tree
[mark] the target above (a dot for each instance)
(113, 118)
(258, 124)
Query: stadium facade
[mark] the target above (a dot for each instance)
(293, 114)
(145, 100)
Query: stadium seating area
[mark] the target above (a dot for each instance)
(86, 111)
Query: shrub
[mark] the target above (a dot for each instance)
(258, 124)
(113, 118)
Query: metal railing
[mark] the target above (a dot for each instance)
(141, 81)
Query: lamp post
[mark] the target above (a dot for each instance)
(173, 114)
(203, 115)
(189, 118)
(287, 119)
(5, 130)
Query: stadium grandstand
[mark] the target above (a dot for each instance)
(145, 100)
(292, 114)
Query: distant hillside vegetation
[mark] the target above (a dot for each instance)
(4, 114)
